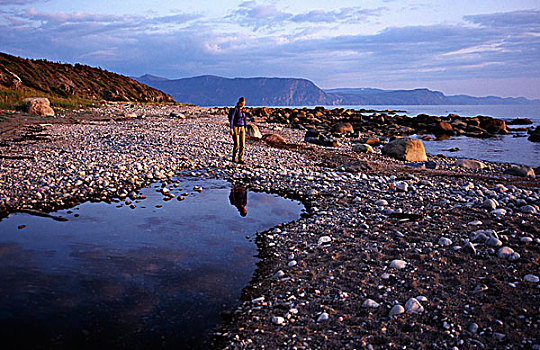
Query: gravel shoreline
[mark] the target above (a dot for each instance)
(453, 253)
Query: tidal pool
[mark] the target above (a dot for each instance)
(155, 276)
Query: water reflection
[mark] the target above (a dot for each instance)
(238, 198)
(156, 275)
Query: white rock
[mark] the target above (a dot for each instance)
(531, 278)
(396, 310)
(402, 186)
(413, 306)
(257, 300)
(475, 223)
(324, 239)
(499, 212)
(292, 263)
(371, 303)
(279, 274)
(443, 241)
(278, 320)
(398, 264)
(323, 317)
(422, 298)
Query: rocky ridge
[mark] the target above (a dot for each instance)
(69, 81)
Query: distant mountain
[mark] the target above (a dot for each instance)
(367, 96)
(209, 90)
(20, 77)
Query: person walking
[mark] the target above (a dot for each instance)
(238, 130)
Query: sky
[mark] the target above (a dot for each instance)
(478, 48)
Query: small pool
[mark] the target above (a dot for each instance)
(156, 271)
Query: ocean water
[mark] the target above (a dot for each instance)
(513, 148)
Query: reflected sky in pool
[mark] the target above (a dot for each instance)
(158, 275)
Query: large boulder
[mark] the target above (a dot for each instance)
(408, 149)
(253, 131)
(343, 128)
(274, 139)
(523, 171)
(470, 164)
(39, 105)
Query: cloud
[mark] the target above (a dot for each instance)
(19, 2)
(492, 46)
(523, 20)
(258, 16)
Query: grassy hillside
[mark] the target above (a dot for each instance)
(67, 85)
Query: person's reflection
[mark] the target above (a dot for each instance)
(238, 198)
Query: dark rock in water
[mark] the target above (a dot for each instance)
(443, 137)
(443, 128)
(535, 135)
(520, 121)
(523, 171)
(453, 149)
(493, 126)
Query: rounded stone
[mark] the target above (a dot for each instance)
(505, 252)
(443, 241)
(531, 278)
(396, 310)
(398, 264)
(370, 303)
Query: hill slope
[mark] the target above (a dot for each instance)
(20, 76)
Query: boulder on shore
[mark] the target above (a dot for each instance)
(39, 105)
(523, 171)
(408, 149)
(470, 164)
(274, 139)
(253, 131)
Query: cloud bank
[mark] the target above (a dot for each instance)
(263, 40)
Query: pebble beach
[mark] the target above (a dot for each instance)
(389, 255)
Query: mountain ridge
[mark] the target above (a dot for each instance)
(212, 90)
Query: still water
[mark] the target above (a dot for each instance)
(156, 276)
